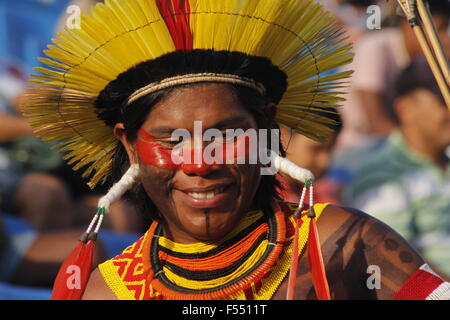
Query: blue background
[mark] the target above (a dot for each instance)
(26, 27)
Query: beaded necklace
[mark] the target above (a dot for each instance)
(215, 270)
(130, 275)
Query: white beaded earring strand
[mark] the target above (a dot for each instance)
(116, 192)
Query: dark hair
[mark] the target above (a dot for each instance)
(112, 108)
(335, 116)
(360, 3)
(440, 7)
(338, 125)
(417, 75)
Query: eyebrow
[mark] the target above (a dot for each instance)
(161, 131)
(221, 124)
(230, 121)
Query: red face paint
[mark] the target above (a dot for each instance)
(228, 153)
(154, 154)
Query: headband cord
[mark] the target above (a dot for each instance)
(195, 78)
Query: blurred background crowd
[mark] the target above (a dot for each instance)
(389, 156)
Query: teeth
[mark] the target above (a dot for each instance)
(205, 195)
(198, 195)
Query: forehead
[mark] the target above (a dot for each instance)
(441, 21)
(427, 99)
(209, 103)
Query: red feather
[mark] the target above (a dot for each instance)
(73, 275)
(316, 264)
(294, 262)
(176, 15)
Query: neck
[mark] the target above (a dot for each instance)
(291, 183)
(425, 147)
(183, 237)
(292, 194)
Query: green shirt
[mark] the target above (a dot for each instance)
(409, 193)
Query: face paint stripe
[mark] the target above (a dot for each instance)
(154, 154)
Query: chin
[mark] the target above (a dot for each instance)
(212, 225)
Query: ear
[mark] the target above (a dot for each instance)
(119, 133)
(404, 108)
(285, 137)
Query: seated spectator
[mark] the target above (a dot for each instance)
(25, 188)
(23, 249)
(35, 184)
(406, 182)
(380, 56)
(40, 202)
(314, 156)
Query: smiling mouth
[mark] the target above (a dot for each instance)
(207, 194)
(206, 197)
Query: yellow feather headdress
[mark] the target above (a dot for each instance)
(298, 36)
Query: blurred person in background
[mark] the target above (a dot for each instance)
(38, 192)
(34, 203)
(314, 156)
(30, 260)
(353, 14)
(367, 113)
(35, 200)
(26, 190)
(122, 217)
(35, 184)
(357, 18)
(406, 183)
(379, 58)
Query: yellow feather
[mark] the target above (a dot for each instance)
(298, 36)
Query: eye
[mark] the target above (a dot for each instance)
(228, 137)
(169, 143)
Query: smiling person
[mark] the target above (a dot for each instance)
(139, 70)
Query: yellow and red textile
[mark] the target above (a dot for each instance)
(128, 278)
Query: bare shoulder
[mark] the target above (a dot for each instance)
(354, 243)
(97, 289)
(361, 226)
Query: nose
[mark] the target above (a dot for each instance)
(201, 169)
(198, 166)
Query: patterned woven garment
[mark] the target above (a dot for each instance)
(127, 277)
